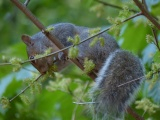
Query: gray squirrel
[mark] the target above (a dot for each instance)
(113, 67)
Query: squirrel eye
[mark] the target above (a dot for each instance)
(33, 61)
(31, 57)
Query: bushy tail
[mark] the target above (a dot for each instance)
(110, 99)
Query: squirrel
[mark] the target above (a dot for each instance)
(38, 43)
(113, 67)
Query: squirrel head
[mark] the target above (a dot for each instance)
(38, 44)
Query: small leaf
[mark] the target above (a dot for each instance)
(15, 61)
(156, 57)
(5, 102)
(74, 40)
(149, 39)
(49, 29)
(93, 42)
(99, 9)
(149, 75)
(73, 52)
(88, 65)
(94, 31)
(25, 99)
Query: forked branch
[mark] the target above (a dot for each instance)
(146, 13)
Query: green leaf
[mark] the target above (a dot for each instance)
(134, 36)
(155, 9)
(156, 57)
(12, 88)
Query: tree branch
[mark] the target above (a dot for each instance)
(146, 13)
(134, 114)
(48, 35)
(114, 6)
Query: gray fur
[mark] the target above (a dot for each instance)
(96, 53)
(111, 100)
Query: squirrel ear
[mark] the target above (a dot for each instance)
(26, 39)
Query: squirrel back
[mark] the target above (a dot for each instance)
(97, 53)
(112, 94)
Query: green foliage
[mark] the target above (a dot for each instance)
(49, 29)
(147, 105)
(130, 35)
(155, 9)
(60, 83)
(99, 9)
(153, 75)
(5, 102)
(35, 86)
(116, 22)
(94, 31)
(95, 39)
(25, 99)
(75, 40)
(17, 63)
(149, 39)
(156, 57)
(73, 52)
(88, 65)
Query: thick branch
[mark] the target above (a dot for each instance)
(42, 28)
(146, 14)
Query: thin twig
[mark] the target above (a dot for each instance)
(75, 109)
(2, 64)
(138, 78)
(131, 81)
(136, 15)
(114, 6)
(154, 32)
(146, 13)
(84, 103)
(26, 88)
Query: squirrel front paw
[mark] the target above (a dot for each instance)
(61, 61)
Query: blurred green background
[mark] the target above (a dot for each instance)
(57, 104)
